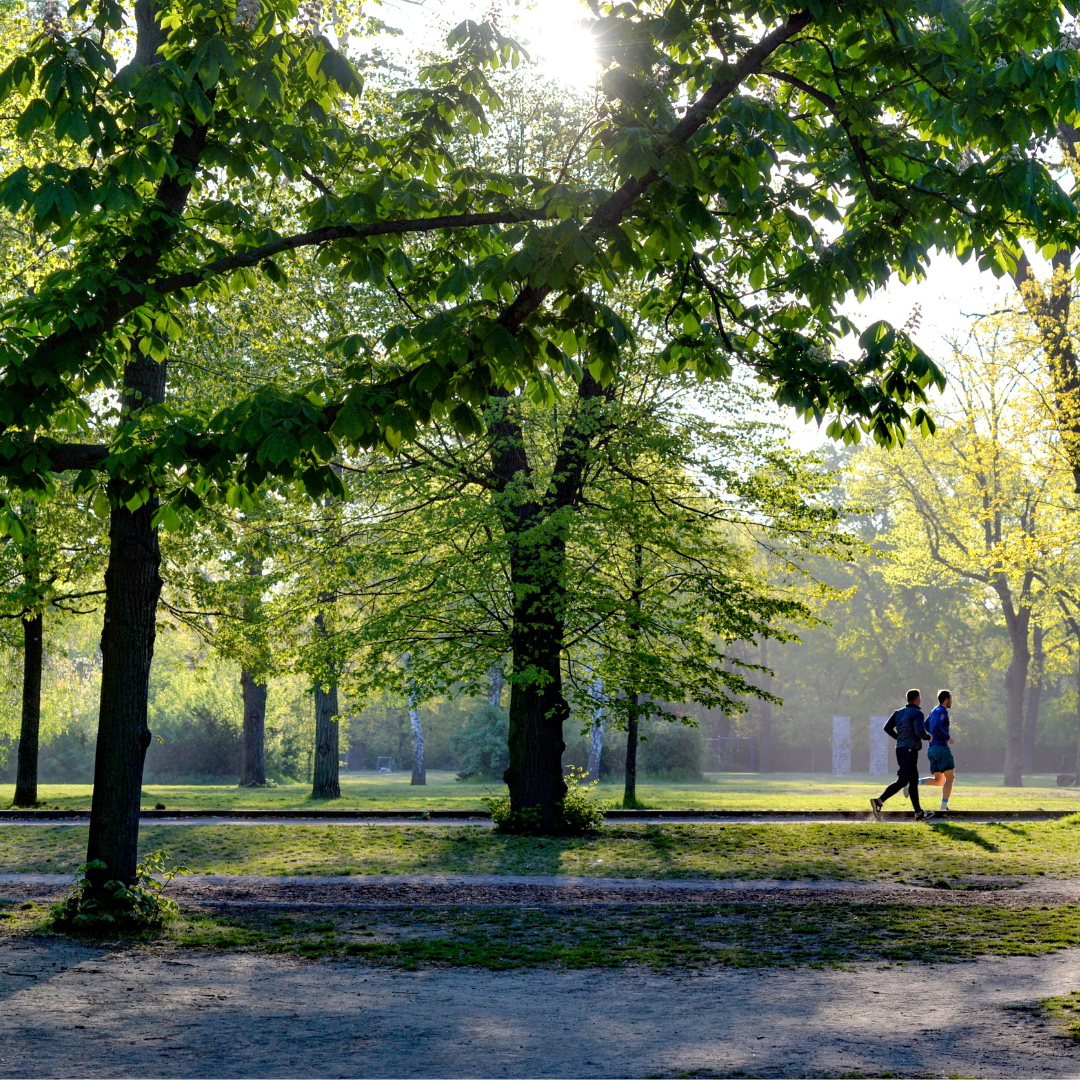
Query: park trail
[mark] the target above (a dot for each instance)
(71, 1010)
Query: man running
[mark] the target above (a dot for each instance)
(941, 759)
(908, 727)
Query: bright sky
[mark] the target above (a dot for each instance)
(550, 30)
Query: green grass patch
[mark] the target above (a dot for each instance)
(663, 938)
(1065, 1011)
(717, 791)
(944, 854)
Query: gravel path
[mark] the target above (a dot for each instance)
(434, 890)
(77, 1011)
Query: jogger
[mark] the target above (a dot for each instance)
(908, 727)
(941, 760)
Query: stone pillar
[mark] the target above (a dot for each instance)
(841, 745)
(879, 747)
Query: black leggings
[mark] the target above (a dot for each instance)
(908, 773)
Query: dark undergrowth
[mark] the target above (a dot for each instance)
(667, 937)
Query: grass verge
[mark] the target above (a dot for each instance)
(715, 791)
(852, 852)
(671, 937)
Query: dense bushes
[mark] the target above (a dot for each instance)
(480, 746)
(199, 743)
(672, 751)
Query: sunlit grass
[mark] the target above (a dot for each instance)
(946, 854)
(727, 791)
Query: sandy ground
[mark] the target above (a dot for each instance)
(79, 1011)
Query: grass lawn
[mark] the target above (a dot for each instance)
(872, 852)
(718, 791)
(671, 937)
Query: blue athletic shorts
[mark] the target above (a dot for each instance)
(941, 759)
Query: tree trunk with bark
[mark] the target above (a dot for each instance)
(629, 799)
(535, 523)
(1034, 698)
(253, 691)
(1015, 684)
(764, 749)
(253, 751)
(496, 682)
(596, 731)
(325, 782)
(26, 776)
(1076, 766)
(132, 589)
(538, 709)
(419, 770)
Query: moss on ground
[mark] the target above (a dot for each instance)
(667, 937)
(944, 853)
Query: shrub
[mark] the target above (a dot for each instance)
(120, 907)
(578, 814)
(198, 744)
(673, 751)
(481, 745)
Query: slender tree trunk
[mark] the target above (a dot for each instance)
(1034, 697)
(26, 777)
(419, 770)
(633, 714)
(132, 588)
(1076, 767)
(764, 749)
(1015, 683)
(629, 799)
(253, 690)
(596, 730)
(326, 783)
(253, 753)
(496, 682)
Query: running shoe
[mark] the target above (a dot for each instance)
(875, 808)
(925, 815)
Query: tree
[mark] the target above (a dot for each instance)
(730, 211)
(983, 503)
(50, 570)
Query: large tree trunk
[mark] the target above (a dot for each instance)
(629, 799)
(1015, 684)
(537, 706)
(26, 777)
(253, 752)
(535, 523)
(764, 749)
(132, 588)
(326, 783)
(1034, 698)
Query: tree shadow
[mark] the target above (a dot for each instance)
(967, 836)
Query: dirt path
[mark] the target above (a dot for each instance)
(76, 1011)
(437, 889)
